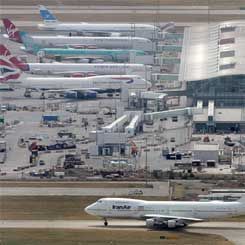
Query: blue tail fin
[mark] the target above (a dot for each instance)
(46, 15)
(29, 43)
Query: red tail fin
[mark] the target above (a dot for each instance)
(4, 51)
(14, 60)
(8, 71)
(12, 31)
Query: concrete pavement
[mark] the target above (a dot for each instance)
(233, 231)
(159, 189)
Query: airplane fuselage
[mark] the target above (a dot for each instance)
(98, 42)
(98, 69)
(127, 29)
(139, 209)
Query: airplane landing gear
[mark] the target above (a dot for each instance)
(105, 223)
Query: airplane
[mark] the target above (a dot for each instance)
(58, 41)
(77, 70)
(164, 214)
(79, 55)
(72, 85)
(51, 23)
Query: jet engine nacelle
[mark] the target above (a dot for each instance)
(97, 61)
(171, 224)
(150, 223)
(78, 74)
(156, 223)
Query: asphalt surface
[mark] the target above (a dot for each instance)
(130, 10)
(159, 189)
(233, 231)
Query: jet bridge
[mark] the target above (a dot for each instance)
(117, 125)
(175, 112)
(131, 128)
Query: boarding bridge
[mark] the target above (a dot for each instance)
(189, 111)
(117, 125)
(131, 128)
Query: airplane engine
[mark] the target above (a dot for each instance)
(97, 61)
(150, 223)
(156, 223)
(78, 74)
(71, 95)
(84, 60)
(172, 224)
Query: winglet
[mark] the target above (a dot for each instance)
(12, 30)
(46, 14)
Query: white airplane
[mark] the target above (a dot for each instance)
(59, 41)
(77, 69)
(76, 86)
(138, 30)
(164, 214)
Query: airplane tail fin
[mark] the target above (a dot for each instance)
(8, 71)
(29, 43)
(5, 53)
(12, 31)
(46, 14)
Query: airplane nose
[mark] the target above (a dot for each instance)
(88, 209)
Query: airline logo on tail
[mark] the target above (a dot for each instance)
(6, 55)
(12, 31)
(8, 71)
(8, 65)
(46, 15)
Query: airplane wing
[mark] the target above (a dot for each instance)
(170, 217)
(158, 221)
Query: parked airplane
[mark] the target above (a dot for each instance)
(77, 70)
(71, 85)
(82, 42)
(138, 30)
(8, 71)
(164, 214)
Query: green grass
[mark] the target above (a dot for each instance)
(105, 237)
(49, 207)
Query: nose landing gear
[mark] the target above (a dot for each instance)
(105, 223)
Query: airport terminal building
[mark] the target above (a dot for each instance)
(213, 63)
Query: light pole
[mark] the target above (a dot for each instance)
(146, 163)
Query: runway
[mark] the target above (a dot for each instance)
(233, 231)
(158, 190)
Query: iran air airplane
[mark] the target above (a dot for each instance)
(77, 69)
(58, 41)
(164, 214)
(51, 23)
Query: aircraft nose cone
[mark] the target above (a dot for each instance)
(88, 209)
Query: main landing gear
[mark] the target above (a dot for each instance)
(105, 223)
